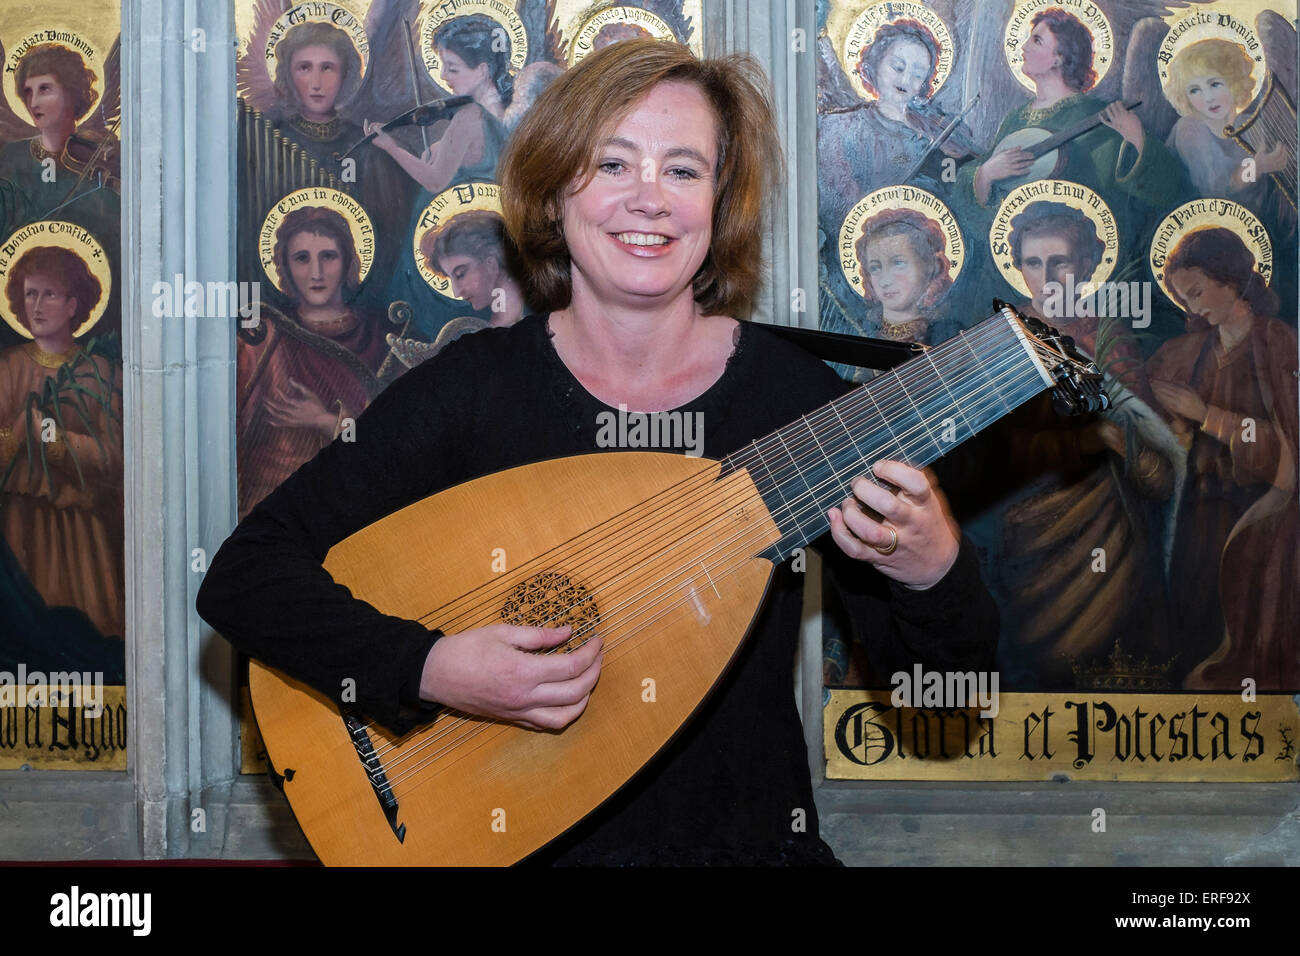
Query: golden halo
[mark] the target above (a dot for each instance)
(75, 42)
(1203, 25)
(317, 11)
(869, 21)
(585, 42)
(440, 212)
(1203, 214)
(65, 235)
(1063, 193)
(498, 10)
(363, 233)
(898, 197)
(1085, 11)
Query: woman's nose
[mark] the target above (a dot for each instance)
(649, 194)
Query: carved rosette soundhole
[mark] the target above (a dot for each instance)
(552, 599)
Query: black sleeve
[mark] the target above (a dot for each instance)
(266, 590)
(951, 626)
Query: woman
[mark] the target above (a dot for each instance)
(904, 274)
(315, 367)
(1229, 388)
(637, 276)
(61, 510)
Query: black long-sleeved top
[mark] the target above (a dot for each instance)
(728, 788)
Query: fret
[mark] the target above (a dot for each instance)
(970, 429)
(817, 442)
(924, 424)
(979, 365)
(797, 470)
(852, 441)
(903, 456)
(771, 479)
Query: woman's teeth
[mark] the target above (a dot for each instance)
(641, 239)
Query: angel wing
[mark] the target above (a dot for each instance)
(1279, 39)
(1142, 77)
(252, 80)
(397, 80)
(834, 93)
(104, 117)
(12, 127)
(982, 67)
(544, 40)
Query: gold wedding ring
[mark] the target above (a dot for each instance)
(893, 544)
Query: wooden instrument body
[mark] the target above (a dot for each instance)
(665, 550)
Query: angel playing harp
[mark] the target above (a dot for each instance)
(57, 87)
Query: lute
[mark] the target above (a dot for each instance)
(657, 552)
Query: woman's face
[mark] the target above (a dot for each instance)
(639, 231)
(47, 101)
(1211, 98)
(1202, 296)
(896, 274)
(474, 280)
(317, 78)
(48, 306)
(1040, 51)
(461, 79)
(316, 267)
(903, 72)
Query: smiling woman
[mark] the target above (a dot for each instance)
(634, 193)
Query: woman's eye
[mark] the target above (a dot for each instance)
(610, 166)
(681, 173)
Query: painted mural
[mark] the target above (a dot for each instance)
(62, 584)
(1127, 174)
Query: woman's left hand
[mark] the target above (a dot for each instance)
(911, 537)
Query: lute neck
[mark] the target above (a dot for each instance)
(916, 413)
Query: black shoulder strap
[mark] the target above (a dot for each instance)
(848, 349)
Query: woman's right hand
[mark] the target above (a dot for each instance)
(490, 672)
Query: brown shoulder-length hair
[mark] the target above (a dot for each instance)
(63, 265)
(555, 146)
